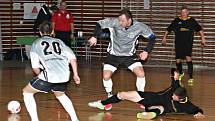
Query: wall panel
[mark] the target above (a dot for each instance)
(87, 12)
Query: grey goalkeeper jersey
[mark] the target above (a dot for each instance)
(52, 56)
(124, 41)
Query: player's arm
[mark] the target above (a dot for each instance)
(53, 28)
(199, 115)
(192, 109)
(102, 24)
(35, 62)
(53, 20)
(75, 71)
(203, 41)
(151, 43)
(198, 28)
(164, 37)
(73, 61)
(36, 71)
(170, 28)
(96, 34)
(72, 30)
(148, 34)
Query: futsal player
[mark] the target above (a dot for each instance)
(184, 28)
(50, 59)
(171, 100)
(124, 33)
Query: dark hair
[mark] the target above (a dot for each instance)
(181, 92)
(53, 7)
(63, 1)
(184, 7)
(127, 13)
(45, 27)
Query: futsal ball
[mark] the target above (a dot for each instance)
(14, 106)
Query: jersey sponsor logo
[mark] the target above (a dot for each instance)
(133, 34)
(179, 22)
(184, 29)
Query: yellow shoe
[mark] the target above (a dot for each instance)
(181, 77)
(190, 82)
(146, 115)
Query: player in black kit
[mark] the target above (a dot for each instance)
(184, 28)
(171, 100)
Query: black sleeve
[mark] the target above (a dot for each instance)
(192, 109)
(196, 25)
(175, 84)
(150, 44)
(172, 26)
(42, 17)
(97, 31)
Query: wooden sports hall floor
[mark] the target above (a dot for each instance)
(14, 75)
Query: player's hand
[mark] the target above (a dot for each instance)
(72, 36)
(164, 41)
(203, 43)
(52, 34)
(76, 79)
(199, 115)
(143, 55)
(92, 41)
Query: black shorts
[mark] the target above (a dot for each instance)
(183, 49)
(120, 60)
(147, 95)
(45, 86)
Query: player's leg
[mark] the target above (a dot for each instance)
(59, 91)
(180, 68)
(64, 36)
(190, 68)
(130, 96)
(110, 66)
(138, 70)
(107, 81)
(33, 87)
(180, 53)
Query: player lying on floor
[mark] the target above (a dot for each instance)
(171, 100)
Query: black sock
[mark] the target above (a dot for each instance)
(113, 99)
(190, 69)
(179, 67)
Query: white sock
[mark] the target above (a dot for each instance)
(68, 106)
(108, 84)
(30, 105)
(140, 83)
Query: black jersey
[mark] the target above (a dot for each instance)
(164, 98)
(184, 35)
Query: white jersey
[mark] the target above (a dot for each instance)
(52, 56)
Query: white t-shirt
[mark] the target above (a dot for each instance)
(52, 56)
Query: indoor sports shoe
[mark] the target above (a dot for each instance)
(146, 115)
(181, 77)
(96, 104)
(108, 106)
(190, 82)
